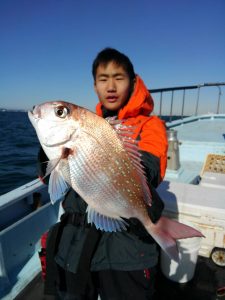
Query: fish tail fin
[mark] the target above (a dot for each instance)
(166, 231)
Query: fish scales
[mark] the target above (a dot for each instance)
(110, 154)
(107, 178)
(88, 183)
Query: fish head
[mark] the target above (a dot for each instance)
(55, 122)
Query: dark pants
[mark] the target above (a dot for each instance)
(110, 285)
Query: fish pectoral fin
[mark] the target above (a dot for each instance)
(57, 186)
(51, 165)
(105, 223)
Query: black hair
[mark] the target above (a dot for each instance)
(108, 55)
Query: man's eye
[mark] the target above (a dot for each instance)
(119, 78)
(61, 111)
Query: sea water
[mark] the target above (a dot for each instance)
(19, 147)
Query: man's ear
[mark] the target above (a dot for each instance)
(95, 87)
(133, 85)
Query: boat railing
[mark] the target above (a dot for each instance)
(171, 106)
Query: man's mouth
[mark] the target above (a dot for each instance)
(111, 99)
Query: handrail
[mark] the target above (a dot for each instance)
(184, 88)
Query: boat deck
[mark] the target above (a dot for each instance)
(195, 143)
(194, 129)
(208, 277)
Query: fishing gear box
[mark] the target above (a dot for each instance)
(202, 206)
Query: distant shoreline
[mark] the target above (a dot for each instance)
(12, 110)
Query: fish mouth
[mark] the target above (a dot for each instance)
(34, 117)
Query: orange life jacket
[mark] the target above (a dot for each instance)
(150, 129)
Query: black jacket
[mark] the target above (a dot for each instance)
(133, 249)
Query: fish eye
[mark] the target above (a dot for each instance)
(61, 111)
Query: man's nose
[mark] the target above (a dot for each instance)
(111, 85)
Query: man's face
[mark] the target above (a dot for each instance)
(112, 85)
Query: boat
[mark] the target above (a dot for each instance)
(193, 191)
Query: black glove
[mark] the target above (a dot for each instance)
(137, 228)
(152, 171)
(155, 210)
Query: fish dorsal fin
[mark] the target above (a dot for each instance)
(57, 186)
(105, 223)
(125, 134)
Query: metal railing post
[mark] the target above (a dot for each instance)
(218, 103)
(182, 109)
(171, 107)
(197, 102)
(160, 104)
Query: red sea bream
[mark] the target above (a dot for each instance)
(100, 161)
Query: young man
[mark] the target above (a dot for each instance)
(119, 265)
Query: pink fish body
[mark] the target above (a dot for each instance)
(101, 162)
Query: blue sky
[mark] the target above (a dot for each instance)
(47, 46)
